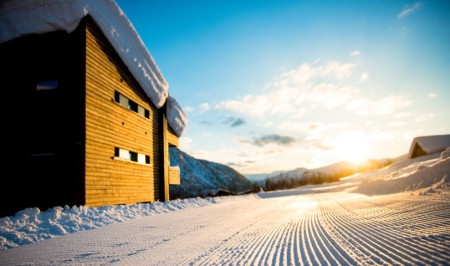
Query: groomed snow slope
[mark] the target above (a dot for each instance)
(314, 229)
(311, 225)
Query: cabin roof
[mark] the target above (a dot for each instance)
(18, 18)
(431, 144)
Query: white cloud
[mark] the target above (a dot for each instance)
(355, 53)
(203, 107)
(387, 105)
(330, 96)
(310, 127)
(186, 143)
(432, 95)
(398, 124)
(288, 93)
(424, 117)
(364, 77)
(407, 10)
(308, 88)
(188, 109)
(403, 115)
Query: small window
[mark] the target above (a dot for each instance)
(132, 106)
(133, 156)
(46, 85)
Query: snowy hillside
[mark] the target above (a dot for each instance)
(331, 173)
(204, 178)
(427, 172)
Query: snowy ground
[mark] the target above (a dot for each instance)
(313, 225)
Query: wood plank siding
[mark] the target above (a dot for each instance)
(69, 145)
(110, 125)
(172, 138)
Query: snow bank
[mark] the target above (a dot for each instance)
(32, 225)
(19, 18)
(417, 175)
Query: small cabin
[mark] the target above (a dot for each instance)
(78, 126)
(426, 145)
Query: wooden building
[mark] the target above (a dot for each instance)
(78, 128)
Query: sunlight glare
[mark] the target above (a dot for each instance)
(353, 147)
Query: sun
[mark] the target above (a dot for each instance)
(352, 147)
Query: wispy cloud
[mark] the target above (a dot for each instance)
(206, 123)
(289, 91)
(408, 9)
(269, 139)
(241, 164)
(387, 105)
(364, 77)
(234, 121)
(432, 95)
(188, 109)
(310, 127)
(273, 139)
(203, 107)
(298, 91)
(355, 53)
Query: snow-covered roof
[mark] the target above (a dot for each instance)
(24, 17)
(176, 115)
(430, 144)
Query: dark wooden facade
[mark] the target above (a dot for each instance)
(62, 144)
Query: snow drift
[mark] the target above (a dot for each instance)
(428, 172)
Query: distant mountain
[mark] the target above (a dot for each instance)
(200, 178)
(331, 173)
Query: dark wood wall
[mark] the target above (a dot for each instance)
(59, 144)
(43, 131)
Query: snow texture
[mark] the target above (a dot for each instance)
(19, 18)
(310, 225)
(415, 176)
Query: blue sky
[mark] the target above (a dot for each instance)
(276, 85)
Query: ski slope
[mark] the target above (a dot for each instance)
(281, 228)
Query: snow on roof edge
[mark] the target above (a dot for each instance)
(431, 144)
(19, 18)
(176, 118)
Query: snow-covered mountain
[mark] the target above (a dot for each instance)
(330, 173)
(200, 178)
